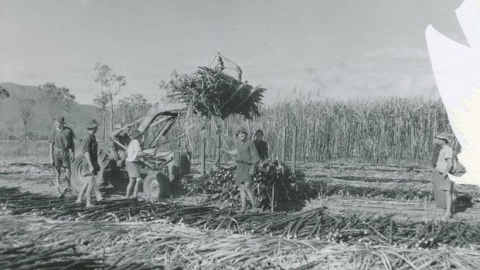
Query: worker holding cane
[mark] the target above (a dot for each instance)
(247, 159)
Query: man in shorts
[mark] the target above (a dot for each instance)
(62, 152)
(132, 162)
(90, 166)
(247, 159)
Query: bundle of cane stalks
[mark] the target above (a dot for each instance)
(211, 92)
(272, 184)
(31, 256)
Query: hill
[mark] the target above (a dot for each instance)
(12, 125)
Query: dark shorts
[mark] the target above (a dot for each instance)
(133, 169)
(86, 169)
(61, 158)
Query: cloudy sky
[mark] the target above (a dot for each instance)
(321, 48)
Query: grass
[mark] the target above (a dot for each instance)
(30, 151)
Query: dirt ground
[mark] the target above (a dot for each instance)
(38, 178)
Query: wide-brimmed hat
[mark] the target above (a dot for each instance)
(443, 136)
(60, 119)
(135, 134)
(92, 124)
(241, 130)
(259, 131)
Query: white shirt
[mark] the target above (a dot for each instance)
(132, 150)
(445, 153)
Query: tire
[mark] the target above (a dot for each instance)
(78, 180)
(156, 186)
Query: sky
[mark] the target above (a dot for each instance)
(313, 48)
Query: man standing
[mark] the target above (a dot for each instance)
(62, 152)
(90, 166)
(132, 162)
(247, 160)
(442, 185)
(262, 146)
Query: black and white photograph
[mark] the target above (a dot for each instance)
(239, 134)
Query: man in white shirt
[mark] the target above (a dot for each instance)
(443, 186)
(132, 162)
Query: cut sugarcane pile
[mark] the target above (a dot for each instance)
(32, 243)
(316, 223)
(149, 244)
(32, 257)
(271, 183)
(211, 92)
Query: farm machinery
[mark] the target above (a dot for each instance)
(210, 93)
(162, 170)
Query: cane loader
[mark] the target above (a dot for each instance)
(162, 170)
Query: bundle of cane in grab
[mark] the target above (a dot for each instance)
(213, 93)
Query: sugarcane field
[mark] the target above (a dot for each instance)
(235, 134)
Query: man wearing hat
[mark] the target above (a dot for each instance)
(247, 159)
(62, 152)
(443, 164)
(90, 167)
(132, 163)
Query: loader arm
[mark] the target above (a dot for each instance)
(173, 110)
(158, 114)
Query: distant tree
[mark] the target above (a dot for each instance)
(26, 103)
(111, 84)
(58, 99)
(101, 100)
(4, 93)
(131, 108)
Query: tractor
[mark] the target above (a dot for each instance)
(161, 172)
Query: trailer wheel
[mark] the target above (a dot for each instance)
(156, 186)
(77, 179)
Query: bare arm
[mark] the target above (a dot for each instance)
(449, 167)
(86, 152)
(139, 151)
(72, 148)
(89, 161)
(51, 152)
(266, 150)
(230, 152)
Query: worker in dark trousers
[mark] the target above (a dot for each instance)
(262, 146)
